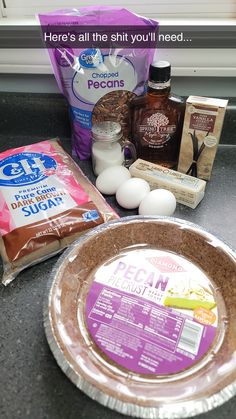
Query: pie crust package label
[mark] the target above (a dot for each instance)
(151, 312)
(45, 200)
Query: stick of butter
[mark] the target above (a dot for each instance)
(188, 190)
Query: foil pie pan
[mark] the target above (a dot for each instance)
(206, 383)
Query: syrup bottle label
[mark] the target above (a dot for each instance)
(156, 129)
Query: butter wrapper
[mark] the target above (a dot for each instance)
(188, 190)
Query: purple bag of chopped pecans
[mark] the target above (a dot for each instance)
(98, 82)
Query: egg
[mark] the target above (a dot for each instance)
(111, 178)
(158, 202)
(131, 192)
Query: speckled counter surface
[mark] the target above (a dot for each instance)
(31, 384)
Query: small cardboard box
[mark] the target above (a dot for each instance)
(203, 123)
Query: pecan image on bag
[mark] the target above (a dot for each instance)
(114, 106)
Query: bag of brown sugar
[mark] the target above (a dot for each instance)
(45, 204)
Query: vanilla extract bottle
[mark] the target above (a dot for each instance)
(156, 119)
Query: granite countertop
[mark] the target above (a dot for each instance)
(31, 384)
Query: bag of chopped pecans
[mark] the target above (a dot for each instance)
(97, 82)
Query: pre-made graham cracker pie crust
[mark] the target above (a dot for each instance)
(141, 316)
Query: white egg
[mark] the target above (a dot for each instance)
(111, 178)
(131, 192)
(158, 202)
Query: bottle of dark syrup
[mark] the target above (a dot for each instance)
(156, 119)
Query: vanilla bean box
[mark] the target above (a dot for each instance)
(202, 128)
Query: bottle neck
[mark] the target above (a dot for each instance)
(158, 88)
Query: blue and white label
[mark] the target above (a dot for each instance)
(90, 58)
(82, 116)
(90, 215)
(24, 169)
